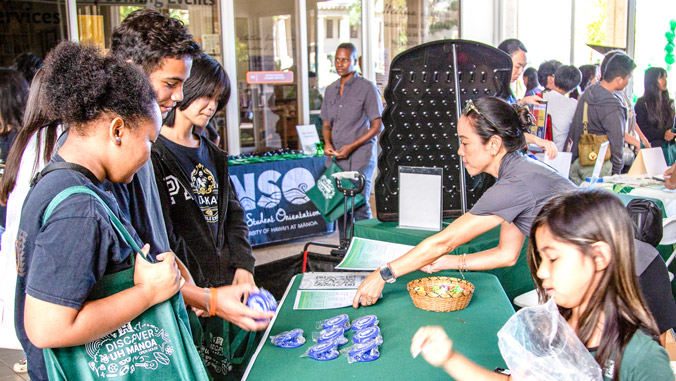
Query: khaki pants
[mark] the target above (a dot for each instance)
(579, 173)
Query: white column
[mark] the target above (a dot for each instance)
(302, 64)
(321, 55)
(71, 13)
(227, 19)
(368, 38)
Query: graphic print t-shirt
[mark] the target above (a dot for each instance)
(201, 173)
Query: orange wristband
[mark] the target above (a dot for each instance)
(213, 302)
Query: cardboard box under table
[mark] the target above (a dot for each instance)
(473, 331)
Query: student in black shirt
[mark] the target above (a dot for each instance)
(113, 117)
(204, 219)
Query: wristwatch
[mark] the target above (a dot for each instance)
(387, 274)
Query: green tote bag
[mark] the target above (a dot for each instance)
(157, 345)
(326, 197)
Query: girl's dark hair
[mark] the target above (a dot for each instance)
(146, 37)
(13, 95)
(497, 117)
(207, 78)
(659, 104)
(512, 45)
(582, 218)
(75, 86)
(36, 121)
(531, 75)
(589, 72)
(80, 84)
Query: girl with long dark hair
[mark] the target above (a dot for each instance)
(581, 254)
(655, 109)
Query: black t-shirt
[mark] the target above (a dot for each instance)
(656, 289)
(59, 262)
(201, 173)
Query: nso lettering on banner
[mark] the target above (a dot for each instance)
(274, 201)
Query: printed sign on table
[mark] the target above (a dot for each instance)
(273, 198)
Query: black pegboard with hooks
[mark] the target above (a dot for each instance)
(427, 88)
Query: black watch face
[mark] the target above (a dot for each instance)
(386, 273)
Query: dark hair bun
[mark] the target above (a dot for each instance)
(75, 80)
(526, 118)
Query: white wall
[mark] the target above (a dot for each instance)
(477, 21)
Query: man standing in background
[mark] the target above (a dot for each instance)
(351, 113)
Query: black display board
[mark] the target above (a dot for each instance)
(428, 87)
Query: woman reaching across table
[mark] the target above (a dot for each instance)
(491, 133)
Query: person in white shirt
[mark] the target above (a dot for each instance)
(559, 105)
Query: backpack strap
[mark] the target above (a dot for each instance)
(117, 224)
(51, 167)
(585, 119)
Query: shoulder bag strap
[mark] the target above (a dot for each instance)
(51, 167)
(585, 120)
(117, 224)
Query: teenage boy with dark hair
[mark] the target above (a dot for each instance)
(559, 105)
(606, 115)
(164, 49)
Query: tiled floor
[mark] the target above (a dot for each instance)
(7, 359)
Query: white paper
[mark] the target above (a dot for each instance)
(420, 200)
(654, 161)
(369, 254)
(332, 280)
(561, 162)
(307, 133)
(599, 162)
(323, 299)
(211, 43)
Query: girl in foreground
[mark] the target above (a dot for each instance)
(581, 254)
(113, 119)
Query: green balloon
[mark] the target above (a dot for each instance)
(669, 48)
(670, 36)
(672, 24)
(669, 58)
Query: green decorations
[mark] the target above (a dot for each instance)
(669, 47)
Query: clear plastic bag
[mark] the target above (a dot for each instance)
(538, 344)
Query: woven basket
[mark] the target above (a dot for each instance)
(425, 299)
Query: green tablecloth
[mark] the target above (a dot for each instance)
(515, 280)
(399, 319)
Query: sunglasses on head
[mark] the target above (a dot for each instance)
(469, 107)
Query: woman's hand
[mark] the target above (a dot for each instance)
(669, 136)
(230, 307)
(548, 146)
(243, 276)
(443, 263)
(369, 291)
(534, 100)
(669, 178)
(160, 280)
(434, 345)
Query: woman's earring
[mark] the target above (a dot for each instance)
(117, 140)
